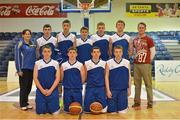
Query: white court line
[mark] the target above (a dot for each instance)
(157, 95)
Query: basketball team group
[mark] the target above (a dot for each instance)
(101, 62)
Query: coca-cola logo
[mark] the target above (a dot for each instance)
(5, 10)
(45, 10)
(8, 10)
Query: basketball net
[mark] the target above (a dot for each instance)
(85, 8)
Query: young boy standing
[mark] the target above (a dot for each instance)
(84, 46)
(65, 39)
(101, 40)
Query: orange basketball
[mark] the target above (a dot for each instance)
(96, 107)
(75, 108)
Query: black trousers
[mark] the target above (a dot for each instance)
(25, 83)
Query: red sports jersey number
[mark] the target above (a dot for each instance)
(142, 57)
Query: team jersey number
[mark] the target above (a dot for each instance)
(142, 57)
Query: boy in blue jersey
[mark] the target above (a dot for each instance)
(95, 87)
(101, 40)
(84, 46)
(46, 78)
(65, 39)
(48, 39)
(118, 82)
(120, 38)
(25, 57)
(72, 76)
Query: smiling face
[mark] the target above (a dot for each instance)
(26, 35)
(141, 29)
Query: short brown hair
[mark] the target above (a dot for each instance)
(25, 30)
(118, 47)
(84, 28)
(120, 21)
(47, 26)
(72, 48)
(142, 23)
(100, 23)
(67, 21)
(95, 47)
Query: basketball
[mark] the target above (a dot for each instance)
(75, 108)
(96, 107)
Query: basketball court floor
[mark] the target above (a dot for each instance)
(166, 104)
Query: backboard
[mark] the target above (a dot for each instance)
(97, 5)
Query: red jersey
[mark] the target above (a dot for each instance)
(142, 47)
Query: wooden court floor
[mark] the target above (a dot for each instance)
(161, 110)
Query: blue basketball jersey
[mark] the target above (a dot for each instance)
(118, 74)
(47, 72)
(64, 43)
(72, 75)
(84, 50)
(51, 41)
(103, 43)
(123, 41)
(95, 73)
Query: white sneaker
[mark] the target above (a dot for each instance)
(29, 106)
(24, 108)
(56, 113)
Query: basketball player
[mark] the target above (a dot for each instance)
(72, 76)
(118, 82)
(47, 39)
(101, 40)
(84, 46)
(95, 87)
(65, 39)
(145, 52)
(46, 78)
(120, 38)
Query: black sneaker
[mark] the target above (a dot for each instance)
(149, 106)
(136, 105)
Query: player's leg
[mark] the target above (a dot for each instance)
(77, 96)
(147, 77)
(53, 102)
(101, 97)
(67, 99)
(41, 103)
(137, 83)
(112, 102)
(89, 98)
(122, 101)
